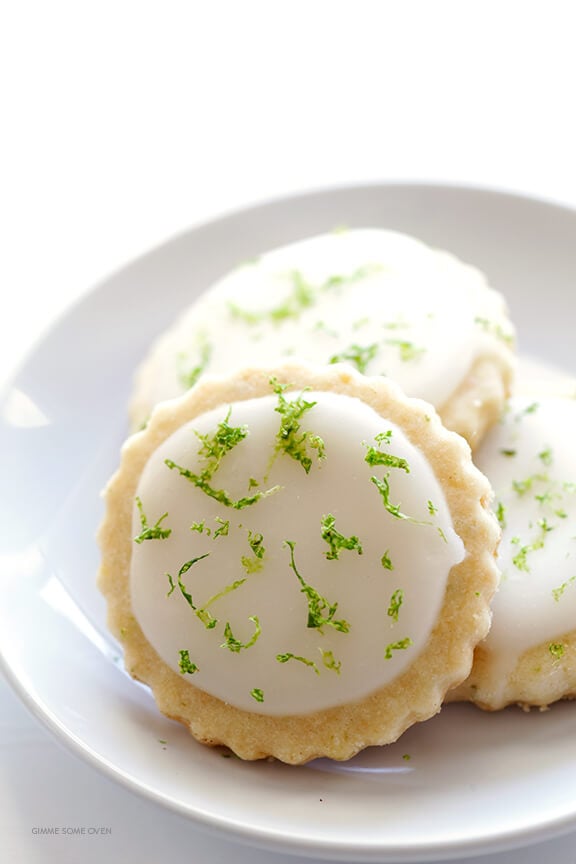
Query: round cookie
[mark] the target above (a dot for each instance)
(380, 301)
(299, 562)
(529, 655)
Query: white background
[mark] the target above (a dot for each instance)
(125, 122)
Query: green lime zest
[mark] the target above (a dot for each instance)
(401, 645)
(396, 601)
(204, 616)
(233, 644)
(288, 439)
(520, 559)
(188, 376)
(556, 649)
(202, 528)
(530, 409)
(330, 661)
(358, 356)
(337, 541)
(301, 297)
(375, 456)
(386, 561)
(494, 328)
(226, 590)
(220, 495)
(213, 449)
(150, 532)
(522, 487)
(383, 487)
(557, 593)
(187, 667)
(320, 611)
(340, 280)
(224, 528)
(284, 658)
(254, 563)
(407, 350)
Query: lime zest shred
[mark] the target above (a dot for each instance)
(337, 541)
(400, 645)
(204, 616)
(213, 449)
(189, 376)
(495, 328)
(202, 528)
(407, 350)
(396, 601)
(233, 644)
(320, 611)
(284, 658)
(288, 438)
(557, 593)
(330, 662)
(302, 295)
(522, 487)
(187, 667)
(386, 561)
(520, 560)
(383, 487)
(375, 456)
(233, 586)
(254, 563)
(224, 528)
(150, 532)
(359, 356)
(556, 649)
(219, 495)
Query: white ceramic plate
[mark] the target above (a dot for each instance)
(474, 782)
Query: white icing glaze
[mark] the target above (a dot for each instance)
(417, 315)
(529, 459)
(338, 484)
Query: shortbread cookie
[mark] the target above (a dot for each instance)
(380, 301)
(529, 656)
(299, 562)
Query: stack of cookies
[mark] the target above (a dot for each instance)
(326, 483)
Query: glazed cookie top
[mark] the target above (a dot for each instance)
(291, 552)
(380, 301)
(529, 458)
(298, 560)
